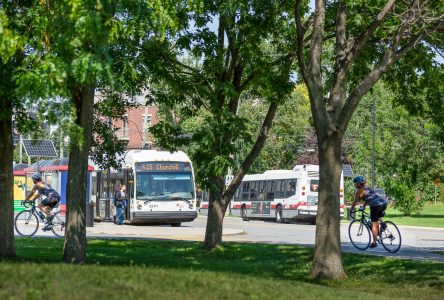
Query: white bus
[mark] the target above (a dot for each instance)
(283, 195)
(162, 187)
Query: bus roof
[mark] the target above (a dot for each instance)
(134, 156)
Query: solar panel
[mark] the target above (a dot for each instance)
(347, 169)
(39, 148)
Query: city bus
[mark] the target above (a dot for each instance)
(160, 187)
(283, 195)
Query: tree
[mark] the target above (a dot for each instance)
(369, 38)
(13, 22)
(246, 51)
(81, 39)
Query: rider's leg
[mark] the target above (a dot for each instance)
(375, 230)
(43, 209)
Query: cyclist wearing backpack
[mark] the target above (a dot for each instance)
(52, 198)
(377, 204)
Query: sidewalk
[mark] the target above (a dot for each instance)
(109, 229)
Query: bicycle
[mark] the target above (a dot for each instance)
(27, 222)
(360, 233)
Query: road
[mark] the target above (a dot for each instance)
(417, 243)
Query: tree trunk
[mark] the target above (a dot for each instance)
(327, 262)
(216, 213)
(75, 238)
(7, 249)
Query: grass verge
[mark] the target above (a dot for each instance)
(136, 269)
(431, 216)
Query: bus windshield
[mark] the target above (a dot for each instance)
(164, 186)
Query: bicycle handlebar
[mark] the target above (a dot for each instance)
(28, 203)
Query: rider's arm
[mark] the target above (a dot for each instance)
(358, 196)
(34, 190)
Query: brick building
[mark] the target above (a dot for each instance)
(136, 129)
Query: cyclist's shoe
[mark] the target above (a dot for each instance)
(373, 245)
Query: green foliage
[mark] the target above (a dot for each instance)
(203, 72)
(407, 199)
(288, 135)
(440, 190)
(404, 150)
(10, 41)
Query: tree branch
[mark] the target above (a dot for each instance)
(251, 157)
(391, 56)
(356, 45)
(337, 93)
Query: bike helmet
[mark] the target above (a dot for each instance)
(36, 177)
(359, 179)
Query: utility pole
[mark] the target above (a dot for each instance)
(373, 141)
(107, 217)
(20, 149)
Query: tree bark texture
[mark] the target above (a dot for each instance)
(7, 249)
(216, 213)
(75, 237)
(327, 262)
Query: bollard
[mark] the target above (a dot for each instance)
(90, 214)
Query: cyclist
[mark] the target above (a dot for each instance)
(47, 204)
(377, 204)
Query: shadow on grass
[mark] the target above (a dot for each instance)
(285, 262)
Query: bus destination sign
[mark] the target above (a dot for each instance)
(163, 166)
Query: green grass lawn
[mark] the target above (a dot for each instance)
(431, 216)
(137, 269)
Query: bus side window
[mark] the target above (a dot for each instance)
(253, 190)
(237, 194)
(270, 191)
(291, 187)
(245, 191)
(262, 190)
(280, 190)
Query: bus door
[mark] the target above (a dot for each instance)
(128, 179)
(312, 195)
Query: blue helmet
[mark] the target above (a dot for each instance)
(359, 179)
(36, 177)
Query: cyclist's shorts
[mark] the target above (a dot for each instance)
(377, 212)
(51, 201)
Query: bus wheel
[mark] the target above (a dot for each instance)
(176, 224)
(244, 213)
(279, 218)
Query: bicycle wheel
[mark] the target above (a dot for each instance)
(359, 235)
(26, 223)
(59, 223)
(390, 237)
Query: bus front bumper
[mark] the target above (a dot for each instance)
(163, 217)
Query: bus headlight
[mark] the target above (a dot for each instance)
(191, 206)
(139, 207)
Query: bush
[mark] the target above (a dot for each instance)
(409, 199)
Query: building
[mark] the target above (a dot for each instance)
(136, 128)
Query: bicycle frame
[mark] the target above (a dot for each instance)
(388, 234)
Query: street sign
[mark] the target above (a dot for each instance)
(39, 148)
(436, 181)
